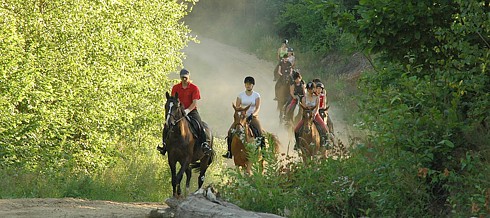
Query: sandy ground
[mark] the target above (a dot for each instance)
(219, 71)
(70, 207)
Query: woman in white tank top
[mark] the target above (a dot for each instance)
(312, 100)
(244, 99)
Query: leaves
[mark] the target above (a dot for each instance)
(80, 77)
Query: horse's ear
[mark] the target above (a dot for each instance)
(247, 107)
(177, 95)
(233, 105)
(167, 95)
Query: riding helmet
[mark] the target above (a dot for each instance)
(250, 80)
(310, 85)
(184, 72)
(285, 41)
(319, 84)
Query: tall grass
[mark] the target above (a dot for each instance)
(138, 174)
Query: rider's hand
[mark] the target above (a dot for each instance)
(187, 111)
(249, 118)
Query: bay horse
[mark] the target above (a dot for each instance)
(282, 94)
(182, 146)
(309, 137)
(242, 136)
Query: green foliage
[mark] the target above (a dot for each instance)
(78, 78)
(429, 94)
(138, 174)
(314, 25)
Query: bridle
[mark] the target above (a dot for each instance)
(170, 114)
(307, 122)
(239, 127)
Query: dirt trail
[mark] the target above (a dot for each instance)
(219, 71)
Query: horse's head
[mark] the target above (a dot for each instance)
(240, 117)
(174, 111)
(308, 115)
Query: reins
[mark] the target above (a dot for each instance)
(172, 125)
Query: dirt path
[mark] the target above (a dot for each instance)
(219, 71)
(70, 207)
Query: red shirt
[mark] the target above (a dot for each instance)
(186, 95)
(322, 101)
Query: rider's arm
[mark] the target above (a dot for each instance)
(291, 91)
(257, 107)
(193, 105)
(279, 70)
(317, 105)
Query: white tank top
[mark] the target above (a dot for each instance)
(248, 100)
(311, 103)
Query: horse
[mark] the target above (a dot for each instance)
(242, 135)
(309, 137)
(182, 147)
(282, 94)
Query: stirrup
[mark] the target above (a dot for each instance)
(227, 155)
(205, 148)
(162, 150)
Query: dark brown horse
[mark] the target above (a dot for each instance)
(182, 147)
(309, 137)
(241, 136)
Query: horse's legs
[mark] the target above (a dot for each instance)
(188, 175)
(174, 177)
(202, 171)
(183, 167)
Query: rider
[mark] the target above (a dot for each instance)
(284, 69)
(291, 57)
(244, 99)
(188, 95)
(324, 106)
(311, 100)
(281, 51)
(296, 92)
(320, 92)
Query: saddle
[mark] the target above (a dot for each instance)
(195, 127)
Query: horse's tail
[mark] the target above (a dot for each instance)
(197, 165)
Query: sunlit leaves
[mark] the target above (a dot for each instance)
(79, 77)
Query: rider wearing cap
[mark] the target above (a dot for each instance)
(244, 99)
(188, 95)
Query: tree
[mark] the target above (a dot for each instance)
(80, 78)
(429, 94)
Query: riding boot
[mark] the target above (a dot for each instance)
(228, 153)
(324, 139)
(296, 143)
(261, 141)
(163, 149)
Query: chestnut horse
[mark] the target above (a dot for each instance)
(242, 135)
(182, 147)
(309, 137)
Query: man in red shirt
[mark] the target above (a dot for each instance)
(188, 96)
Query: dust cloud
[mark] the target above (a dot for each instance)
(219, 70)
